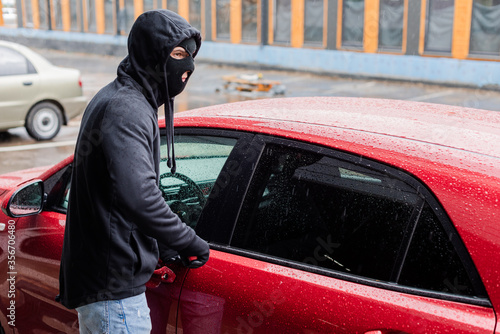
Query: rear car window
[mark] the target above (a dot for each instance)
(14, 63)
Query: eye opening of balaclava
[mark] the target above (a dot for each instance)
(177, 67)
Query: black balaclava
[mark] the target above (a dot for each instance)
(177, 67)
(152, 38)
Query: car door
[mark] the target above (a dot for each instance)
(18, 83)
(201, 155)
(320, 241)
(38, 246)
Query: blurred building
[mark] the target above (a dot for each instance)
(243, 30)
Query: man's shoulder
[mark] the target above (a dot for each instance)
(128, 95)
(128, 101)
(119, 105)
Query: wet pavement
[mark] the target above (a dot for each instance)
(206, 87)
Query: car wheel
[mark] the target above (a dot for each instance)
(44, 121)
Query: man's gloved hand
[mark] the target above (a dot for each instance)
(167, 255)
(196, 254)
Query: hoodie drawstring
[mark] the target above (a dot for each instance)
(169, 124)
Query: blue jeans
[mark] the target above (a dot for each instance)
(123, 316)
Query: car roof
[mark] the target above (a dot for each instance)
(473, 130)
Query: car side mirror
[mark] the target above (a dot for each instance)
(26, 201)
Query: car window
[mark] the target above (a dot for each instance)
(14, 63)
(57, 190)
(338, 215)
(432, 262)
(306, 208)
(199, 161)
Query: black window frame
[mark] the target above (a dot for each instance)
(234, 198)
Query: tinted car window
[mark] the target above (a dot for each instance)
(315, 209)
(13, 63)
(199, 161)
(343, 216)
(432, 262)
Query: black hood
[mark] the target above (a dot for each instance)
(151, 40)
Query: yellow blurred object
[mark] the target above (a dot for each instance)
(249, 82)
(1, 16)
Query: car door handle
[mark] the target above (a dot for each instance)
(27, 83)
(161, 275)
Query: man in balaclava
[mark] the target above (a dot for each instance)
(116, 215)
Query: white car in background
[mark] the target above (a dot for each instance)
(36, 94)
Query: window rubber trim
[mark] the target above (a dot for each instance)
(352, 278)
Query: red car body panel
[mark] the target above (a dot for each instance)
(236, 284)
(453, 150)
(38, 254)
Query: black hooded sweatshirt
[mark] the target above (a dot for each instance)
(116, 212)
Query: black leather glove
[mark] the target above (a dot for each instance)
(196, 254)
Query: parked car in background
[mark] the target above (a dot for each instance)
(324, 215)
(36, 94)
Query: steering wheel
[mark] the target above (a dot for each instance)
(188, 214)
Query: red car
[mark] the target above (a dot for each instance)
(324, 215)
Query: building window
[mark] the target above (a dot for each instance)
(439, 25)
(56, 6)
(353, 17)
(282, 21)
(126, 16)
(74, 14)
(148, 5)
(173, 5)
(391, 21)
(249, 20)
(485, 27)
(313, 21)
(28, 23)
(109, 16)
(91, 22)
(223, 15)
(195, 13)
(43, 11)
